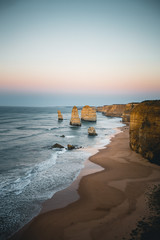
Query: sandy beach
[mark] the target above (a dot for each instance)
(109, 202)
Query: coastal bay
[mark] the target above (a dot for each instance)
(111, 201)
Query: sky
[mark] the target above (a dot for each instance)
(69, 52)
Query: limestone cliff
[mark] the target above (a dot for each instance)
(115, 110)
(60, 117)
(75, 120)
(127, 111)
(88, 114)
(145, 130)
(102, 109)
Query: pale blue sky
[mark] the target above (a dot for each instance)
(65, 49)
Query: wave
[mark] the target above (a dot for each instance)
(4, 131)
(17, 185)
(70, 136)
(53, 128)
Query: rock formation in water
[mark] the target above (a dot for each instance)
(70, 147)
(145, 130)
(88, 114)
(60, 117)
(57, 145)
(75, 120)
(92, 131)
(127, 111)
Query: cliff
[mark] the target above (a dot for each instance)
(75, 120)
(101, 108)
(60, 117)
(145, 130)
(127, 111)
(88, 114)
(115, 110)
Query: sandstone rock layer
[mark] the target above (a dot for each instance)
(127, 111)
(92, 131)
(88, 114)
(115, 110)
(145, 130)
(60, 117)
(75, 120)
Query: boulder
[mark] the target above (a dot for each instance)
(92, 131)
(57, 145)
(70, 147)
(75, 120)
(145, 130)
(88, 114)
(60, 117)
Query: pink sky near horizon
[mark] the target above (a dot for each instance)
(98, 47)
(77, 83)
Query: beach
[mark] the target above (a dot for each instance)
(109, 202)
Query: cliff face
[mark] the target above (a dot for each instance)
(75, 120)
(127, 111)
(115, 110)
(101, 108)
(145, 130)
(88, 114)
(60, 117)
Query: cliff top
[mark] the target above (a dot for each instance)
(152, 106)
(151, 102)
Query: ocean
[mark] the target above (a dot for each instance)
(30, 171)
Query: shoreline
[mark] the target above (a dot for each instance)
(113, 198)
(70, 194)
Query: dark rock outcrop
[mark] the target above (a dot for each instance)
(92, 131)
(70, 147)
(57, 145)
(75, 120)
(145, 130)
(88, 114)
(127, 111)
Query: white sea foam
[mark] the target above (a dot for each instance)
(32, 173)
(70, 136)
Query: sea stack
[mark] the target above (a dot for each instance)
(92, 131)
(60, 117)
(75, 120)
(145, 130)
(88, 114)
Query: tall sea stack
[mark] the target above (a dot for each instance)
(75, 120)
(145, 130)
(60, 117)
(88, 114)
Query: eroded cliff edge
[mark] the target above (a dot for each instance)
(115, 110)
(145, 130)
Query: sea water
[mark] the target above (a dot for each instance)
(30, 170)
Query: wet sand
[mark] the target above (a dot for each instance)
(110, 202)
